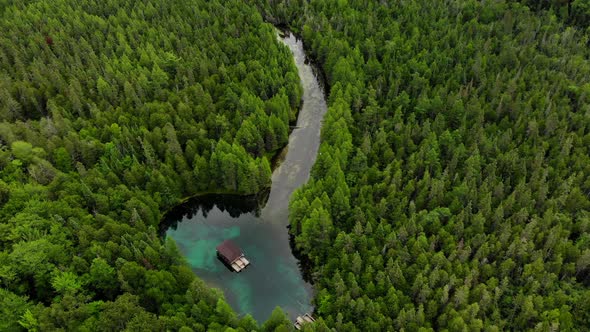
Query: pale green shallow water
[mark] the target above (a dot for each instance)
(274, 277)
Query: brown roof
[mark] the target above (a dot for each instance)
(229, 250)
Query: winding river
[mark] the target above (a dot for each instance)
(275, 277)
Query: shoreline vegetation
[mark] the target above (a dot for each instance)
(275, 161)
(109, 116)
(259, 197)
(274, 157)
(450, 191)
(428, 183)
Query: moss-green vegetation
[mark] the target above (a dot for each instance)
(451, 192)
(111, 111)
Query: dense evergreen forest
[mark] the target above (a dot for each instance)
(111, 112)
(451, 192)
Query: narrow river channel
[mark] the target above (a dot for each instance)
(274, 277)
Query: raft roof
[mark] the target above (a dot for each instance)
(229, 250)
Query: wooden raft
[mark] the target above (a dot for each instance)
(301, 320)
(240, 264)
(232, 255)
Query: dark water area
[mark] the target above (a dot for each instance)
(258, 224)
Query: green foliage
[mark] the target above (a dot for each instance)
(112, 112)
(451, 189)
(66, 282)
(12, 309)
(22, 150)
(278, 321)
(450, 192)
(103, 277)
(29, 322)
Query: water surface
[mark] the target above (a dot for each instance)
(258, 224)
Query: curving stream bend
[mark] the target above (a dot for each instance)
(274, 278)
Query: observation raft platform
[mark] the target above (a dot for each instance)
(232, 255)
(302, 320)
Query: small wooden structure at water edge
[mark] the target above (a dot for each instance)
(301, 320)
(232, 255)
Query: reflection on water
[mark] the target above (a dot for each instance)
(234, 205)
(258, 224)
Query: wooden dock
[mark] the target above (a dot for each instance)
(232, 255)
(302, 320)
(240, 264)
